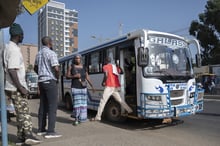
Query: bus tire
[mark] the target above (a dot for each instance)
(68, 102)
(113, 112)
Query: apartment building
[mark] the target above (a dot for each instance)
(61, 25)
(29, 52)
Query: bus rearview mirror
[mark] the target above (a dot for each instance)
(198, 60)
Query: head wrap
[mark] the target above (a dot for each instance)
(15, 29)
(74, 58)
(77, 55)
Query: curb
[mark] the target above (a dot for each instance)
(212, 97)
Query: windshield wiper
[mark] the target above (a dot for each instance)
(170, 72)
(165, 72)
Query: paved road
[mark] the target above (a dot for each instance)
(198, 130)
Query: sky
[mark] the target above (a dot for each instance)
(107, 19)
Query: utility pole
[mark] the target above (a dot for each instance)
(2, 94)
(120, 29)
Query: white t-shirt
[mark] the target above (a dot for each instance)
(13, 59)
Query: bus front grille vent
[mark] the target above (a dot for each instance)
(176, 102)
(176, 93)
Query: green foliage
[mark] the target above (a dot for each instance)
(20, 8)
(207, 31)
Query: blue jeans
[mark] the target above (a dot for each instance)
(48, 105)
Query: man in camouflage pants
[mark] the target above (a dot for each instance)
(16, 86)
(23, 117)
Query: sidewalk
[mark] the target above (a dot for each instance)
(63, 126)
(70, 134)
(209, 96)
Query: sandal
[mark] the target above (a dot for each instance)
(94, 120)
(75, 123)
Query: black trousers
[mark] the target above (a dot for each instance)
(48, 106)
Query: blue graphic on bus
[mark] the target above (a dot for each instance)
(160, 89)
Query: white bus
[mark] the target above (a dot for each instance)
(158, 80)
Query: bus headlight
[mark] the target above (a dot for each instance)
(154, 97)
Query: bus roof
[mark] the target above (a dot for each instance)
(105, 44)
(128, 36)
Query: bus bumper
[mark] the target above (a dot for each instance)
(166, 112)
(187, 110)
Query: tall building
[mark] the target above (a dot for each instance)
(61, 25)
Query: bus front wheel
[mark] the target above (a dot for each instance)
(113, 112)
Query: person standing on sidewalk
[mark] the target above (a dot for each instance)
(16, 86)
(47, 68)
(79, 77)
(112, 85)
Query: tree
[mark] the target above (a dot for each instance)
(207, 31)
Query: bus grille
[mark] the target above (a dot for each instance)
(176, 93)
(176, 102)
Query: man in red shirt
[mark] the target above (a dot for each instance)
(112, 85)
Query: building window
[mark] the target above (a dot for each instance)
(75, 32)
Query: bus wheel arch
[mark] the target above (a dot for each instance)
(68, 102)
(112, 111)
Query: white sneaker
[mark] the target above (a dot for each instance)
(32, 141)
(41, 133)
(52, 135)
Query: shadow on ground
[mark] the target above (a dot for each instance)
(129, 124)
(146, 124)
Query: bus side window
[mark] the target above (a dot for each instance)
(84, 60)
(67, 65)
(94, 60)
(110, 52)
(63, 69)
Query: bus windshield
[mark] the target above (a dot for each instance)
(164, 60)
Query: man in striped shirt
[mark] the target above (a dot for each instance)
(47, 68)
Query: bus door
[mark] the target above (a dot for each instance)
(128, 63)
